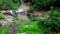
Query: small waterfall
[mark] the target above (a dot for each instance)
(23, 11)
(22, 3)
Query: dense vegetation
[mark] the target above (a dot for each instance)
(4, 30)
(48, 24)
(9, 4)
(36, 25)
(2, 16)
(36, 5)
(42, 26)
(29, 28)
(43, 4)
(52, 22)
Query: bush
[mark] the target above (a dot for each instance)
(1, 16)
(51, 23)
(14, 21)
(32, 28)
(4, 30)
(9, 4)
(32, 17)
(41, 4)
(0, 24)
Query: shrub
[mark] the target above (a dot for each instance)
(4, 30)
(32, 28)
(51, 23)
(9, 4)
(1, 16)
(14, 21)
(0, 24)
(32, 17)
(41, 4)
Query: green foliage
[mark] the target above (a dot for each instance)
(14, 21)
(31, 32)
(32, 17)
(9, 4)
(32, 28)
(31, 9)
(3, 30)
(0, 24)
(51, 23)
(2, 16)
(41, 4)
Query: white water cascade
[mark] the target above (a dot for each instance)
(23, 10)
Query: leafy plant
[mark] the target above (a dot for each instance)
(0, 24)
(32, 28)
(3, 30)
(51, 23)
(41, 4)
(2, 16)
(14, 21)
(9, 4)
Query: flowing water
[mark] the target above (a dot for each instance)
(23, 9)
(22, 3)
(23, 16)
